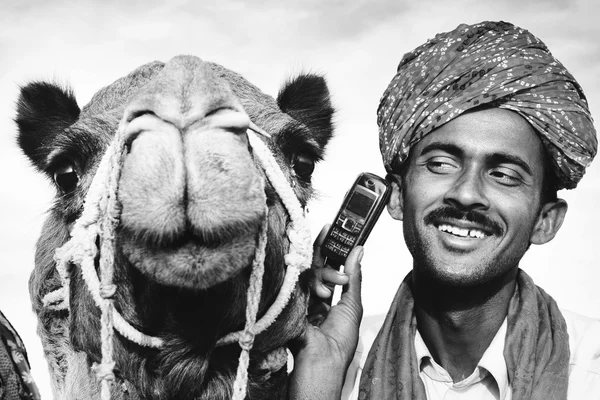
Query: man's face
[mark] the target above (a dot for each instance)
(471, 197)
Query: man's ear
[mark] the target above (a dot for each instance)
(549, 221)
(395, 203)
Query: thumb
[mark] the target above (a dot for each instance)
(351, 293)
(344, 318)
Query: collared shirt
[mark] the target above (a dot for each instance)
(489, 380)
(584, 363)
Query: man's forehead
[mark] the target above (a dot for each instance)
(486, 132)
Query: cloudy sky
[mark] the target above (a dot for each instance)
(356, 44)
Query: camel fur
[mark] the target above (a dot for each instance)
(192, 200)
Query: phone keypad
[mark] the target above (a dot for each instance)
(342, 237)
(337, 248)
(341, 240)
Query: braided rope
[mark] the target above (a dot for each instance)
(253, 300)
(102, 209)
(108, 226)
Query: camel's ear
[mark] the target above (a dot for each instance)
(306, 99)
(44, 110)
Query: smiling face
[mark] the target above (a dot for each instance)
(470, 198)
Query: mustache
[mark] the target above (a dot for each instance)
(476, 217)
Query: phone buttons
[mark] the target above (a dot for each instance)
(342, 237)
(348, 224)
(337, 248)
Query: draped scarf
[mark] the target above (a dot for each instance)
(536, 349)
(14, 366)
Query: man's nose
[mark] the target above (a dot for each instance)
(468, 191)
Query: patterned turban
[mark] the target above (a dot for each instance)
(496, 63)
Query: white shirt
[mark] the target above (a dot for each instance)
(490, 378)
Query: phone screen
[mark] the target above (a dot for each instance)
(360, 204)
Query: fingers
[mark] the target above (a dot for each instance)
(323, 278)
(318, 287)
(318, 259)
(330, 275)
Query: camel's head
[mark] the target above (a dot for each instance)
(191, 197)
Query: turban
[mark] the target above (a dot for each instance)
(493, 63)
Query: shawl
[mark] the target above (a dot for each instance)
(536, 348)
(17, 382)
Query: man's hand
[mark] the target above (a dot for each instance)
(323, 355)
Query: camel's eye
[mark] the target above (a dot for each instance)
(66, 178)
(303, 166)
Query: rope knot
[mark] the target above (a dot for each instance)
(104, 371)
(246, 340)
(107, 291)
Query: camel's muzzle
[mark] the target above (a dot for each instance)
(192, 198)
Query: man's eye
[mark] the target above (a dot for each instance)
(506, 177)
(441, 165)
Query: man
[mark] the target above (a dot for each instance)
(478, 130)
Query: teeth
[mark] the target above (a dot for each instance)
(474, 233)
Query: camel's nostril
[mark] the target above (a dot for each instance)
(226, 118)
(142, 121)
(138, 113)
(219, 110)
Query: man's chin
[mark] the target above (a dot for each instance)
(445, 263)
(454, 272)
(482, 274)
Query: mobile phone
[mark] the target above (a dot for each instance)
(359, 212)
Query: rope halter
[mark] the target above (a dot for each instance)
(100, 218)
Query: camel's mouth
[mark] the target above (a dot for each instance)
(190, 261)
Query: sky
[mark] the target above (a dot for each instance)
(357, 45)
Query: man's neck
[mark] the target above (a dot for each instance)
(458, 324)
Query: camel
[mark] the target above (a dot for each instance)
(172, 263)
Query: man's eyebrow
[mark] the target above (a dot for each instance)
(504, 158)
(440, 146)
